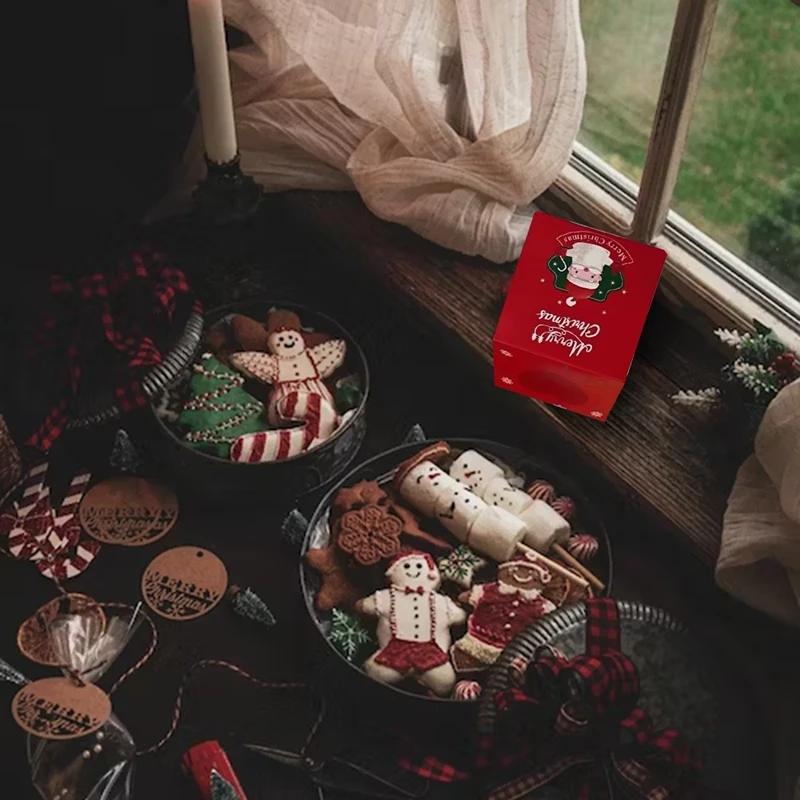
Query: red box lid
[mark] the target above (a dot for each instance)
(580, 296)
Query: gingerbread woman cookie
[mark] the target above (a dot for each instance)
(502, 609)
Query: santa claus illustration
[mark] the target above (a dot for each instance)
(414, 623)
(585, 272)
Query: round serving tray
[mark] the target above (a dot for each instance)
(349, 676)
(210, 479)
(683, 685)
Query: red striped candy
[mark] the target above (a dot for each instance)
(542, 490)
(564, 506)
(467, 690)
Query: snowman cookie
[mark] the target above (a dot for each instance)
(414, 623)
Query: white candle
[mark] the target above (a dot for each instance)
(213, 79)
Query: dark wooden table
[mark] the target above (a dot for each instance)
(413, 381)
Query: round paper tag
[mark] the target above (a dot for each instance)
(129, 511)
(33, 638)
(184, 583)
(59, 708)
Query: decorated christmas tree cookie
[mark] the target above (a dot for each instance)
(219, 410)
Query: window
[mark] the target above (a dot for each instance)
(717, 179)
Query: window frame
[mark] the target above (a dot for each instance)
(701, 276)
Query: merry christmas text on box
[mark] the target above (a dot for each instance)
(573, 315)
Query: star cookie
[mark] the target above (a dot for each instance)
(460, 566)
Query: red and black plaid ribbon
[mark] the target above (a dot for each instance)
(575, 724)
(113, 319)
(441, 766)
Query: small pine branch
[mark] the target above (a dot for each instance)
(761, 348)
(762, 382)
(10, 674)
(728, 337)
(221, 789)
(703, 398)
(248, 604)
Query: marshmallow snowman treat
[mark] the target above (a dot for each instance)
(543, 526)
(490, 530)
(414, 623)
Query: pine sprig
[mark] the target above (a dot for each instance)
(246, 603)
(762, 367)
(760, 348)
(728, 337)
(760, 380)
(702, 398)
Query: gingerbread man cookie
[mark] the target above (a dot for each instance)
(299, 395)
(414, 623)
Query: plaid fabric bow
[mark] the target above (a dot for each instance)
(575, 724)
(107, 319)
(439, 767)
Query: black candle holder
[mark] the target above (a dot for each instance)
(226, 194)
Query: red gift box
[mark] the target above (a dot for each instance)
(573, 315)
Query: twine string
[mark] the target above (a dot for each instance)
(213, 662)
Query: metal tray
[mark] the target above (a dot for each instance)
(208, 479)
(683, 685)
(349, 676)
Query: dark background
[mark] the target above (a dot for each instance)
(93, 108)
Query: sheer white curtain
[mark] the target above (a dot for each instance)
(448, 116)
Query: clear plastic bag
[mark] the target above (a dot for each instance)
(99, 766)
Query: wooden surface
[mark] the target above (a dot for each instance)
(416, 379)
(652, 451)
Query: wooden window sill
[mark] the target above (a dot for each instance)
(648, 449)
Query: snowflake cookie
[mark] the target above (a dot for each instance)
(349, 636)
(460, 566)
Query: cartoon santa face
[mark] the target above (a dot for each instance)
(414, 570)
(586, 270)
(285, 342)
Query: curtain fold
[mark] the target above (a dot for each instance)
(759, 560)
(449, 117)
